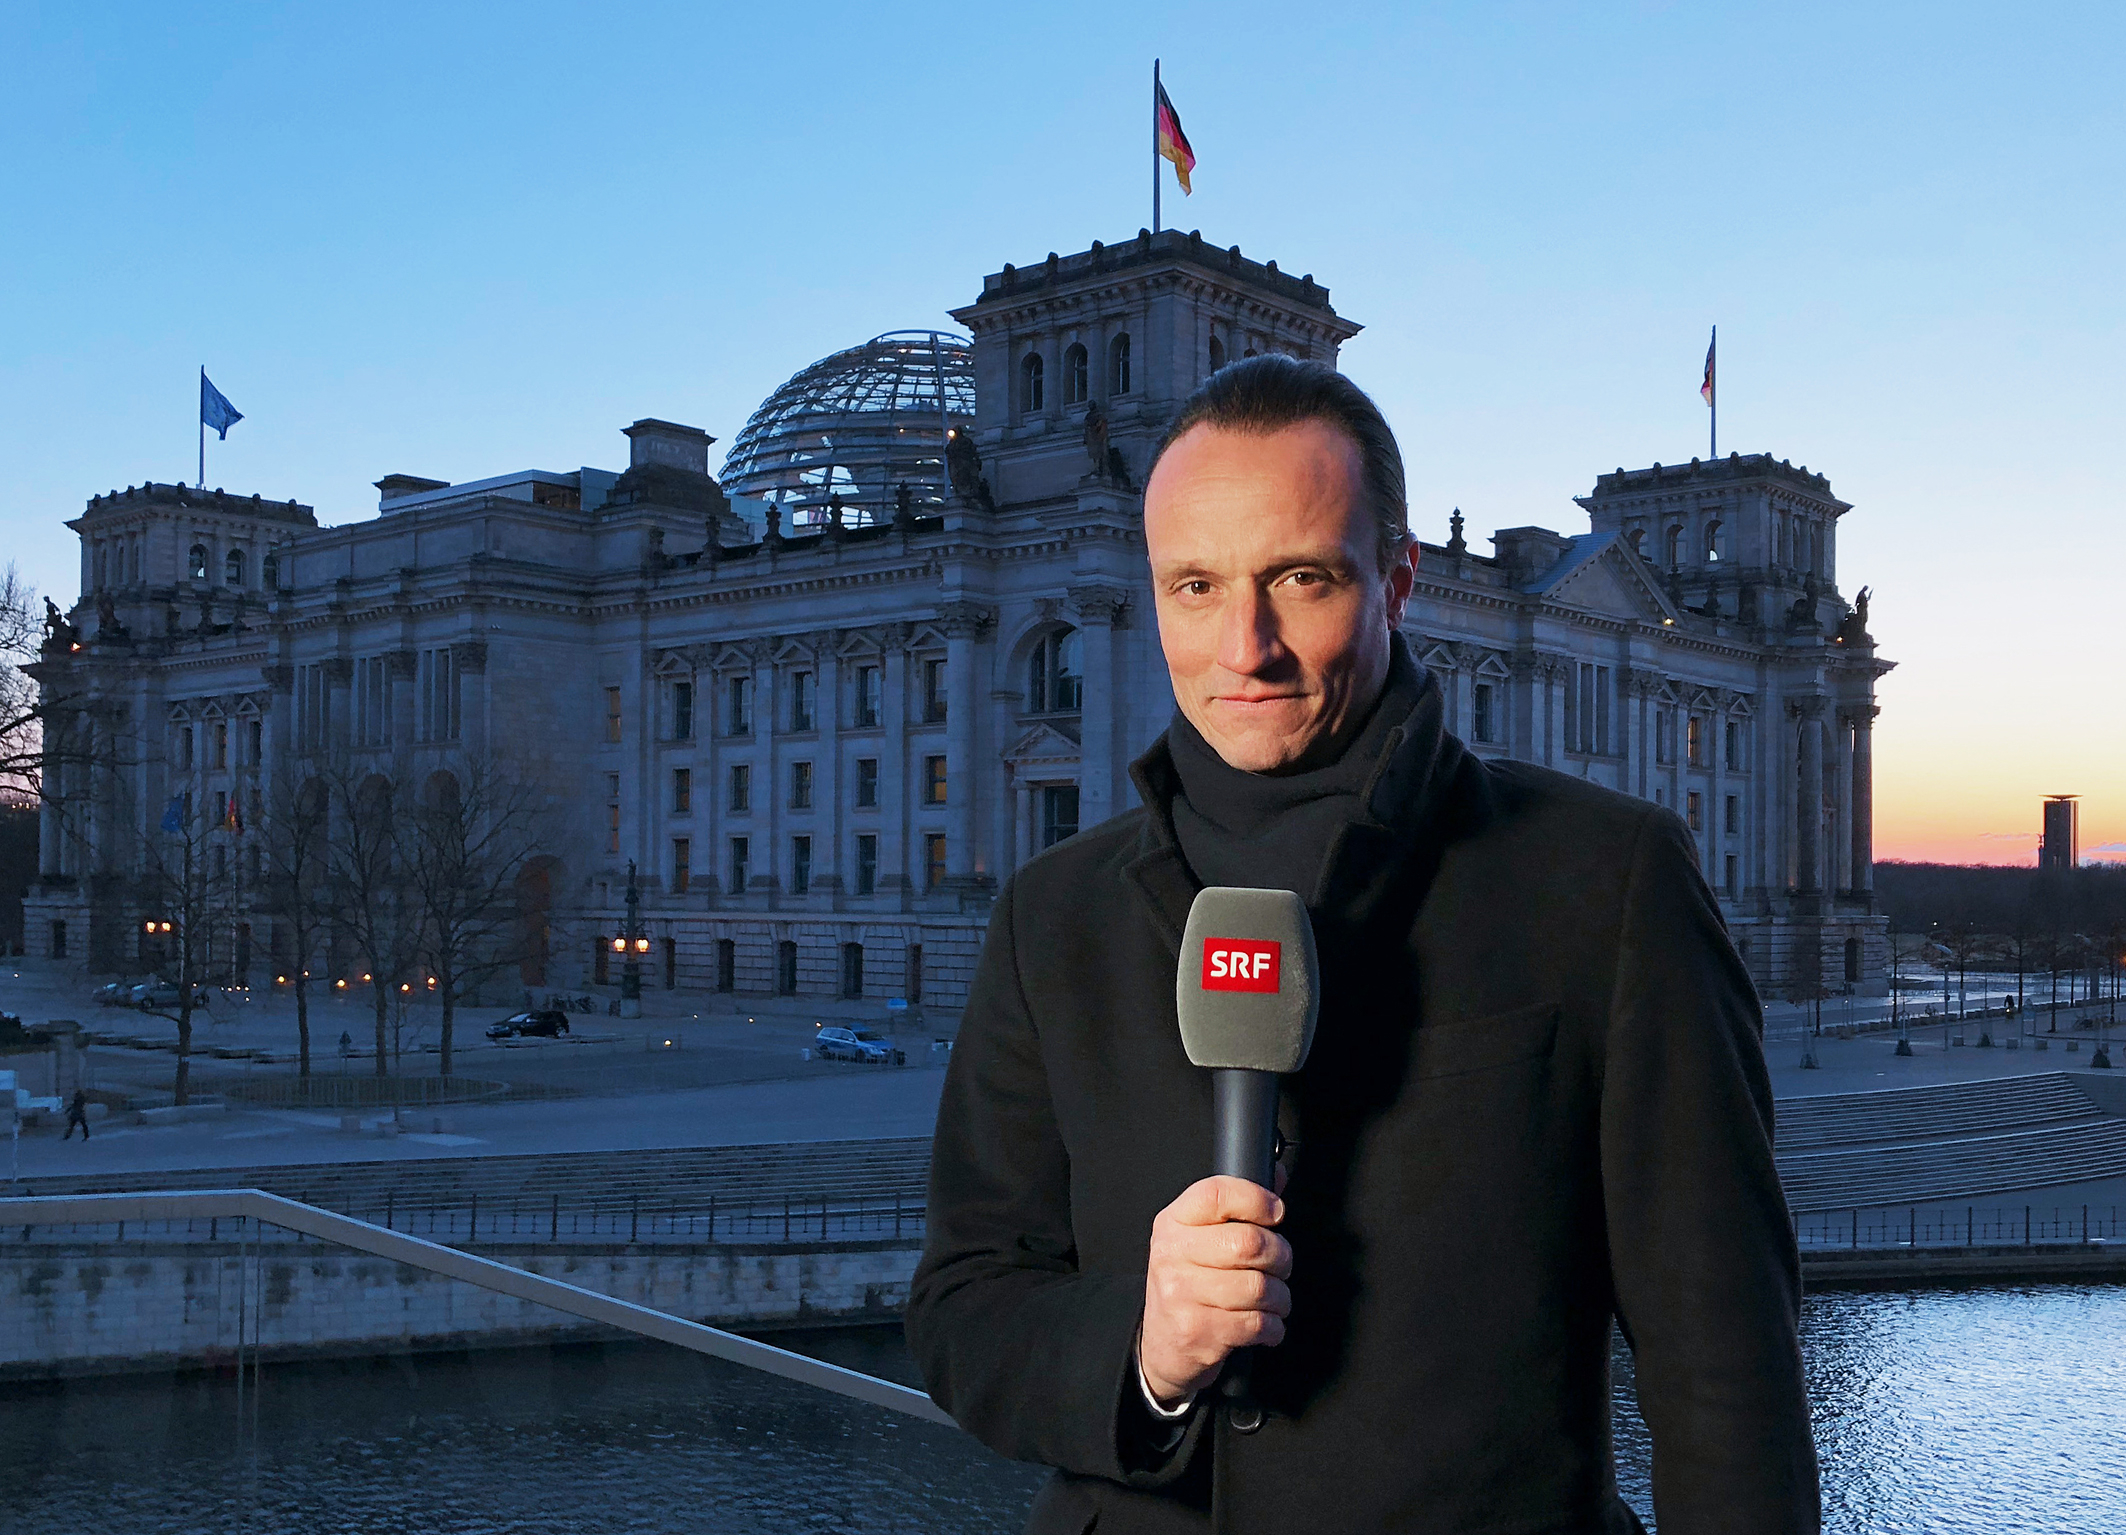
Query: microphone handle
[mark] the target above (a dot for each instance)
(1244, 1145)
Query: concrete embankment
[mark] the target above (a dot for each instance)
(110, 1308)
(2073, 1263)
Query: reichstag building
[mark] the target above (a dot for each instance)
(825, 700)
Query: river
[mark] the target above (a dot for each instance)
(1993, 1411)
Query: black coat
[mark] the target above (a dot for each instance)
(1536, 1099)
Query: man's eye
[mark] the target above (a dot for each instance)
(1196, 588)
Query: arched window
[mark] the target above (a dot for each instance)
(197, 562)
(1118, 365)
(1675, 545)
(233, 568)
(1712, 541)
(1217, 354)
(1055, 674)
(269, 571)
(1637, 539)
(1077, 375)
(1030, 392)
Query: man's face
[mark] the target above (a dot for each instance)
(1273, 610)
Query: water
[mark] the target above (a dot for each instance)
(1994, 1410)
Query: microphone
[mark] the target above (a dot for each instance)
(1247, 991)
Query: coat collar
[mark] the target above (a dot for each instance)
(1422, 770)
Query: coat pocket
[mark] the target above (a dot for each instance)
(1464, 1045)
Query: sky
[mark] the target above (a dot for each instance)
(460, 240)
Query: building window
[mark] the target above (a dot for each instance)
(866, 863)
(852, 970)
(933, 859)
(1030, 393)
(682, 790)
(612, 716)
(372, 701)
(1588, 729)
(801, 865)
(1055, 674)
(803, 714)
(1733, 815)
(218, 744)
(601, 961)
(738, 707)
(1059, 813)
(612, 828)
(196, 562)
(1480, 722)
(682, 711)
(739, 872)
(786, 968)
(1733, 881)
(800, 786)
(867, 783)
(1664, 735)
(741, 796)
(269, 571)
(671, 964)
(934, 691)
(436, 681)
(1852, 959)
(1077, 376)
(184, 748)
(1217, 354)
(1734, 746)
(233, 568)
(726, 965)
(1694, 741)
(310, 706)
(1694, 810)
(1675, 545)
(1637, 539)
(868, 697)
(682, 864)
(58, 939)
(254, 742)
(1712, 541)
(934, 781)
(1118, 365)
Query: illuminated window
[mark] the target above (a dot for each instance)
(933, 859)
(933, 780)
(612, 715)
(682, 790)
(682, 864)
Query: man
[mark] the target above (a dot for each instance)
(1536, 1098)
(77, 1115)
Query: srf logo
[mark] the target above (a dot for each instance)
(1239, 964)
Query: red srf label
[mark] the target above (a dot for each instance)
(1239, 964)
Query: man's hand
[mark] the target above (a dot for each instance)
(1216, 1282)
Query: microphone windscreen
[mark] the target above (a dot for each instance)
(1248, 985)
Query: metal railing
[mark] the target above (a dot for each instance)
(2009, 1226)
(240, 1206)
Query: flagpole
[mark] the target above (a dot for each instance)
(202, 427)
(1713, 447)
(1155, 146)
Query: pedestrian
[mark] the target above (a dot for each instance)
(346, 1044)
(77, 1113)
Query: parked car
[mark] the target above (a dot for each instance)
(540, 1023)
(836, 1043)
(148, 996)
(114, 994)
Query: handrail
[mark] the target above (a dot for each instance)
(452, 1263)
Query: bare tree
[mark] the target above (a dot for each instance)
(191, 884)
(368, 855)
(294, 834)
(468, 841)
(22, 709)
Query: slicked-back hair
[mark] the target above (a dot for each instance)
(1261, 395)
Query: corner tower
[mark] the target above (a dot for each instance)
(1096, 350)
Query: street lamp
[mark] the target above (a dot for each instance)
(634, 945)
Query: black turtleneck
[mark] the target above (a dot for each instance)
(1272, 832)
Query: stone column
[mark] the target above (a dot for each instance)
(1863, 799)
(1023, 831)
(339, 713)
(963, 623)
(831, 852)
(1713, 844)
(1808, 797)
(1839, 871)
(51, 805)
(1097, 609)
(770, 791)
(895, 875)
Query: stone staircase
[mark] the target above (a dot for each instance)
(1955, 1141)
(681, 1180)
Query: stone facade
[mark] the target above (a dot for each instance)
(822, 748)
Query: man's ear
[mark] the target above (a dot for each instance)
(1400, 577)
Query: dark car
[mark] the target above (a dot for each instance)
(543, 1023)
(836, 1043)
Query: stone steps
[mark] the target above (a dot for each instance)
(1942, 1112)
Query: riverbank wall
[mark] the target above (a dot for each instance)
(104, 1308)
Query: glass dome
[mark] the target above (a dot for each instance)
(857, 425)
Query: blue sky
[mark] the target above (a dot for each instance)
(457, 240)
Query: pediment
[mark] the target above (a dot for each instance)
(1604, 575)
(1046, 744)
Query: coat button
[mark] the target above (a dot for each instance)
(1245, 1417)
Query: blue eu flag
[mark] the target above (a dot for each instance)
(215, 409)
(173, 814)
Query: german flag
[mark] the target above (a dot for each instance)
(1173, 143)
